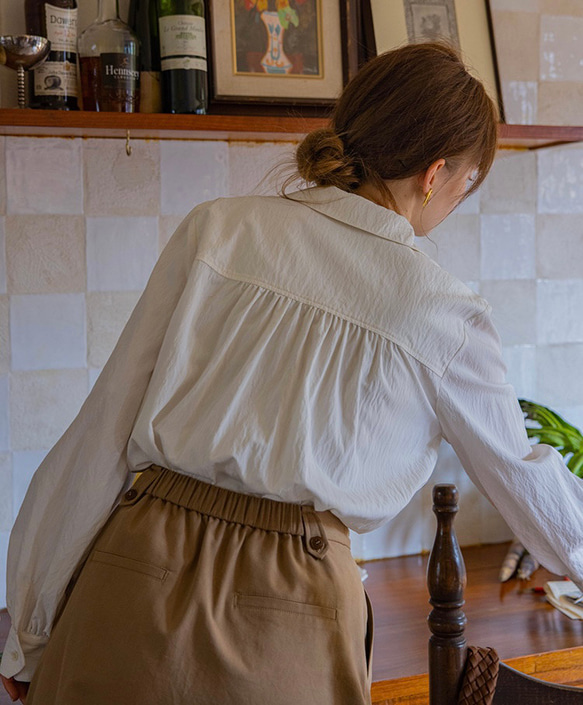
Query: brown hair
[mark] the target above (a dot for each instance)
(402, 111)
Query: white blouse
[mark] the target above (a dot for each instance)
(302, 350)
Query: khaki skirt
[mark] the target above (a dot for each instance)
(196, 595)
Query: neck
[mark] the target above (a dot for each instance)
(404, 194)
(107, 10)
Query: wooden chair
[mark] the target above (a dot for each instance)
(446, 580)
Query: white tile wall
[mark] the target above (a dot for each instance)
(251, 167)
(44, 176)
(559, 246)
(4, 334)
(539, 47)
(45, 254)
(561, 48)
(192, 172)
(520, 102)
(2, 257)
(4, 414)
(2, 177)
(42, 404)
(560, 180)
(457, 245)
(4, 538)
(511, 185)
(514, 309)
(121, 253)
(48, 331)
(558, 373)
(560, 311)
(508, 246)
(120, 185)
(516, 5)
(6, 504)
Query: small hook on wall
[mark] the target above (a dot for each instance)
(128, 145)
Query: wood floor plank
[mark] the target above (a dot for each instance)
(505, 616)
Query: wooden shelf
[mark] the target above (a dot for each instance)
(262, 128)
(57, 123)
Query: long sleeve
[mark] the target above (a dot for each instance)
(79, 483)
(540, 499)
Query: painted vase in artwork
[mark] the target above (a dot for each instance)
(275, 60)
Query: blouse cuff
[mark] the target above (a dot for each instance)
(21, 646)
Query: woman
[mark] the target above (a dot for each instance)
(289, 371)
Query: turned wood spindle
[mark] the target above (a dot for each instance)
(446, 580)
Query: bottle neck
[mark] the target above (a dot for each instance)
(107, 10)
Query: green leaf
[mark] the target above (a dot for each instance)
(575, 464)
(554, 431)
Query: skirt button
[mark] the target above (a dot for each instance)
(130, 494)
(317, 543)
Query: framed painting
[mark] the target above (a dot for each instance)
(283, 52)
(466, 25)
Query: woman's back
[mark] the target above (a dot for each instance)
(309, 342)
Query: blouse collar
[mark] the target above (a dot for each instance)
(358, 212)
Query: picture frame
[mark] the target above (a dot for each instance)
(307, 66)
(467, 25)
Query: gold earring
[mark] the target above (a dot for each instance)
(427, 197)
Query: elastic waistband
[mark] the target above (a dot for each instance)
(220, 503)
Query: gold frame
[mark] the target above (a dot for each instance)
(230, 86)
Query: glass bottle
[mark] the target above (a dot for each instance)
(143, 20)
(183, 56)
(108, 56)
(53, 85)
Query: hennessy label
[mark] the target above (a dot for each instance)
(119, 72)
(61, 28)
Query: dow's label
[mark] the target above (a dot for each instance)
(56, 78)
(182, 35)
(61, 28)
(119, 72)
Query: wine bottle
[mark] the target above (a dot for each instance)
(53, 84)
(108, 56)
(143, 20)
(183, 56)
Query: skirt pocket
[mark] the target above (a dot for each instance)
(264, 602)
(130, 563)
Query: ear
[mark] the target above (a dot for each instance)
(427, 177)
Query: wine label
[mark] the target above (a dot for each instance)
(119, 72)
(184, 62)
(61, 28)
(182, 35)
(56, 78)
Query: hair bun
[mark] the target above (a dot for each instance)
(321, 159)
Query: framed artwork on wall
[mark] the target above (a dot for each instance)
(466, 25)
(283, 52)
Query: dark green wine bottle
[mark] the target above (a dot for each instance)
(143, 20)
(183, 56)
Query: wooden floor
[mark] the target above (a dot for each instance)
(508, 617)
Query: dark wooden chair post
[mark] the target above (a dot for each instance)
(446, 580)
